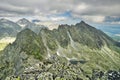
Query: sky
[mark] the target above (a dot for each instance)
(63, 11)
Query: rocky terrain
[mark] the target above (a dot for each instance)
(71, 52)
(58, 68)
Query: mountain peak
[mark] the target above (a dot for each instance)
(82, 22)
(23, 19)
(4, 20)
(23, 22)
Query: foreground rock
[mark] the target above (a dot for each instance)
(56, 69)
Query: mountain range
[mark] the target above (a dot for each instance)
(113, 31)
(10, 29)
(74, 52)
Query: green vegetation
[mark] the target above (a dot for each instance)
(30, 43)
(91, 48)
(3, 45)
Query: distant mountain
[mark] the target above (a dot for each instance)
(8, 28)
(24, 23)
(58, 50)
(112, 31)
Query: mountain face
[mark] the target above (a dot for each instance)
(24, 23)
(76, 52)
(8, 28)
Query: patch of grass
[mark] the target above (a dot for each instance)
(3, 45)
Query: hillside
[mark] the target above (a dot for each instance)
(8, 28)
(78, 52)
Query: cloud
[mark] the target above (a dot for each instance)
(117, 35)
(97, 19)
(112, 19)
(92, 10)
(57, 18)
(91, 7)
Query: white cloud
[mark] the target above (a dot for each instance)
(5, 7)
(115, 22)
(97, 19)
(57, 18)
(91, 10)
(80, 8)
(50, 24)
(117, 35)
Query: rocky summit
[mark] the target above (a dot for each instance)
(71, 52)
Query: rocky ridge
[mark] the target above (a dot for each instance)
(71, 51)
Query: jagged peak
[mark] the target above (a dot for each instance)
(81, 23)
(23, 21)
(66, 25)
(63, 26)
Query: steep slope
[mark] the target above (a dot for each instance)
(30, 43)
(15, 56)
(81, 43)
(8, 28)
(81, 33)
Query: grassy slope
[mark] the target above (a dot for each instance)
(5, 41)
(104, 59)
(3, 45)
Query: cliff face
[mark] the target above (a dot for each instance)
(79, 44)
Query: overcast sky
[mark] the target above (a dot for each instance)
(97, 11)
